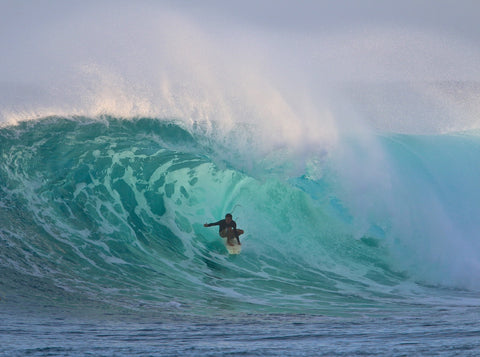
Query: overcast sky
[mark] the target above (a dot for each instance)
(23, 22)
(460, 17)
(36, 35)
(46, 44)
(453, 16)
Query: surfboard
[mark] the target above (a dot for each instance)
(232, 249)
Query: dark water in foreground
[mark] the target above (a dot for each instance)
(430, 331)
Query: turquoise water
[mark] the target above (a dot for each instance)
(102, 234)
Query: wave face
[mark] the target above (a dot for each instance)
(112, 210)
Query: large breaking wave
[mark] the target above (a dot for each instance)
(112, 210)
(349, 155)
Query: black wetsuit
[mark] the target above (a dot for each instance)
(224, 225)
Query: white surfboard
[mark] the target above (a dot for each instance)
(233, 249)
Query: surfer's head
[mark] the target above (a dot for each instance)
(228, 217)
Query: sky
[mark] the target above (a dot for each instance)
(27, 27)
(459, 17)
(85, 54)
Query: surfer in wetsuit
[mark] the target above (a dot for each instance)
(228, 229)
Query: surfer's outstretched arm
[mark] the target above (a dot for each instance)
(212, 224)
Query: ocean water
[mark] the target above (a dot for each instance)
(104, 250)
(345, 143)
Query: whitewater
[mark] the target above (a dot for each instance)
(352, 167)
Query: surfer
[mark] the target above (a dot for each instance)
(228, 229)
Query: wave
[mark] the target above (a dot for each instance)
(112, 210)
